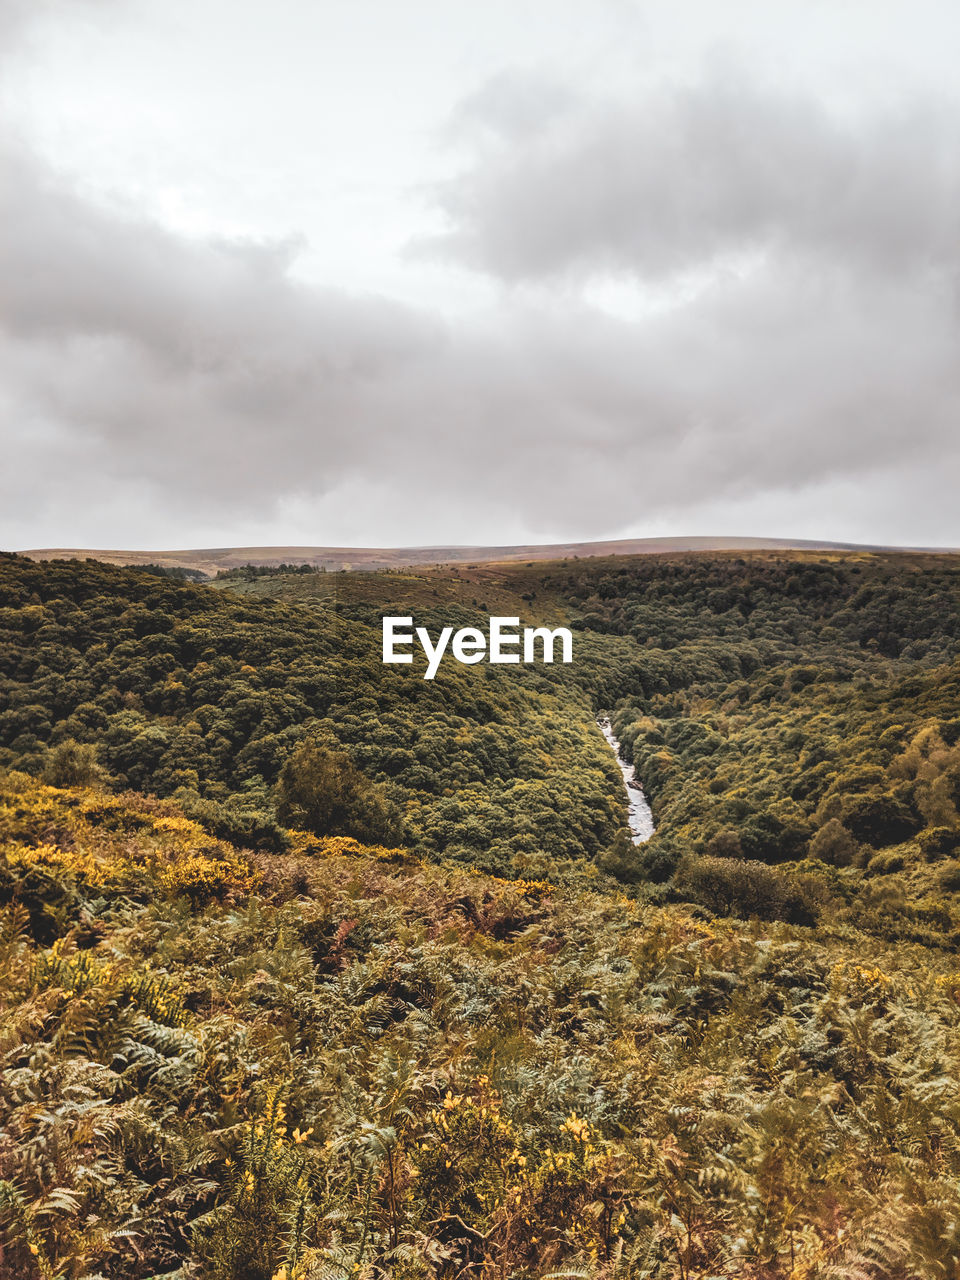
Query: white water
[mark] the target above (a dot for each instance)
(639, 818)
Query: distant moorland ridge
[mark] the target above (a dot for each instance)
(212, 559)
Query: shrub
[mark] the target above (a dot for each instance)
(937, 842)
(250, 828)
(744, 888)
(834, 844)
(72, 764)
(725, 844)
(622, 860)
(885, 863)
(657, 860)
(878, 819)
(324, 792)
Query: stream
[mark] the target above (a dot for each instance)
(640, 818)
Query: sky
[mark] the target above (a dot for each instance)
(355, 272)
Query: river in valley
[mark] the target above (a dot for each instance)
(640, 818)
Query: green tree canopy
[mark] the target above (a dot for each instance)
(323, 791)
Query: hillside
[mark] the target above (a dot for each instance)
(213, 560)
(342, 1061)
(317, 969)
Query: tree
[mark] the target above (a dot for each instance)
(833, 843)
(323, 791)
(72, 764)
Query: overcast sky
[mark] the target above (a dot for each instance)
(377, 272)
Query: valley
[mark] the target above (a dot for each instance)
(316, 968)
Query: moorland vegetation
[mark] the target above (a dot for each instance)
(316, 969)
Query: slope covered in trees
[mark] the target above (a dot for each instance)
(802, 713)
(184, 691)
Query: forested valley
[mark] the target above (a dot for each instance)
(318, 969)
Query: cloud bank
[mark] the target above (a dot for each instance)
(791, 343)
(688, 179)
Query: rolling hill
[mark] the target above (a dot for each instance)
(211, 560)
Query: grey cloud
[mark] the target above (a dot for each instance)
(158, 378)
(511, 106)
(191, 364)
(683, 178)
(15, 17)
(18, 16)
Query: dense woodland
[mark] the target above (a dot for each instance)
(318, 969)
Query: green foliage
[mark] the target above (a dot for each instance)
(200, 694)
(729, 1051)
(324, 792)
(247, 571)
(72, 764)
(790, 708)
(177, 572)
(376, 1066)
(738, 887)
(833, 843)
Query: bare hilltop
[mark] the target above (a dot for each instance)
(210, 560)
